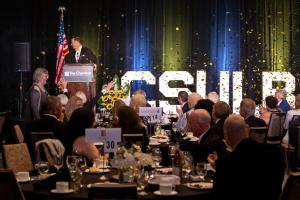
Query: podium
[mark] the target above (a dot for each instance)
(80, 77)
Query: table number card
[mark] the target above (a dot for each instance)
(153, 114)
(110, 137)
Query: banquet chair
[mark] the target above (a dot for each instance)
(112, 191)
(9, 186)
(135, 138)
(19, 137)
(38, 136)
(259, 133)
(276, 132)
(17, 158)
(2, 120)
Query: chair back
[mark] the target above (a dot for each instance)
(112, 191)
(49, 149)
(2, 120)
(259, 134)
(275, 131)
(17, 158)
(19, 137)
(9, 186)
(37, 136)
(293, 130)
(135, 138)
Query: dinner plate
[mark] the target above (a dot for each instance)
(98, 171)
(200, 185)
(163, 194)
(24, 181)
(65, 192)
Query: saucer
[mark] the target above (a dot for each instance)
(24, 180)
(169, 194)
(97, 171)
(200, 185)
(66, 192)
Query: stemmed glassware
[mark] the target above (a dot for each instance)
(201, 170)
(42, 167)
(58, 162)
(156, 156)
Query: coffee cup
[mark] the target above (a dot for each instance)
(166, 188)
(100, 163)
(22, 176)
(62, 186)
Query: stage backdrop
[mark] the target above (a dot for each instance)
(249, 36)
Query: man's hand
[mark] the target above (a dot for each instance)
(109, 85)
(211, 158)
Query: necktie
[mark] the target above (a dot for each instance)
(77, 56)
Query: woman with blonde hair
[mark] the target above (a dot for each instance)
(138, 101)
(74, 103)
(117, 105)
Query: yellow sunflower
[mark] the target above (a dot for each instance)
(114, 98)
(120, 92)
(109, 106)
(111, 92)
(104, 98)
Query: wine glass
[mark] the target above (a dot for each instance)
(72, 162)
(201, 169)
(172, 152)
(174, 127)
(157, 129)
(42, 167)
(58, 162)
(156, 156)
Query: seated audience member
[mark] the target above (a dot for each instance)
(251, 170)
(81, 119)
(74, 103)
(247, 110)
(82, 96)
(205, 104)
(213, 96)
(49, 121)
(63, 100)
(142, 92)
(221, 110)
(199, 123)
(129, 121)
(182, 100)
(138, 101)
(117, 105)
(193, 98)
(282, 104)
(289, 117)
(271, 107)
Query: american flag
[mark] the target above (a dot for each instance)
(62, 50)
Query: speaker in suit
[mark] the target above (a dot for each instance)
(85, 56)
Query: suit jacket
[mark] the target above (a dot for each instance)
(218, 127)
(185, 108)
(45, 124)
(251, 171)
(210, 142)
(253, 121)
(284, 106)
(86, 56)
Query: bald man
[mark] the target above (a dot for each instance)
(209, 141)
(252, 170)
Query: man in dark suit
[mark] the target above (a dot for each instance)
(221, 110)
(182, 100)
(50, 113)
(252, 170)
(80, 54)
(209, 140)
(247, 110)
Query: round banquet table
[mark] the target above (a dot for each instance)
(32, 194)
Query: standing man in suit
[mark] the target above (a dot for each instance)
(80, 54)
(282, 104)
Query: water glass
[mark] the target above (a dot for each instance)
(58, 162)
(156, 156)
(42, 167)
(157, 129)
(201, 169)
(72, 162)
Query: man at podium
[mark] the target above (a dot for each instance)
(80, 54)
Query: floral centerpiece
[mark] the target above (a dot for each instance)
(117, 92)
(132, 156)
